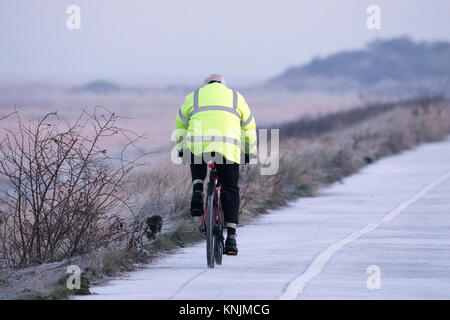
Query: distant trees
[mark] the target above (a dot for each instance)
(395, 63)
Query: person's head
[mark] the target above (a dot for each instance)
(215, 78)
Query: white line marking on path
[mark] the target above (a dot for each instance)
(296, 286)
(186, 283)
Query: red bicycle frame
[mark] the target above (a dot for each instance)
(217, 190)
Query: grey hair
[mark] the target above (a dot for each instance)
(215, 78)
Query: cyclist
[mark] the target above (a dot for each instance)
(216, 123)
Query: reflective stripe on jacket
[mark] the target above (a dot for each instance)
(216, 118)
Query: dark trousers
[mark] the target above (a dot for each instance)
(228, 173)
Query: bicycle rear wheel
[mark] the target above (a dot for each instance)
(210, 236)
(219, 250)
(219, 230)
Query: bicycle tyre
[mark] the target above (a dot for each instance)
(219, 251)
(219, 232)
(210, 234)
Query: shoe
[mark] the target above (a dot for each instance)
(230, 246)
(197, 204)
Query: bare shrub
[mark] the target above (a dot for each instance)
(63, 193)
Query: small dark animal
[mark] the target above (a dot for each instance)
(153, 225)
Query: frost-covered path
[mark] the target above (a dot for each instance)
(394, 215)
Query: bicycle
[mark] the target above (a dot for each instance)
(213, 221)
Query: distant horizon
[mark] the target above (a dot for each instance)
(156, 83)
(138, 42)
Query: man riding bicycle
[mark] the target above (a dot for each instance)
(215, 123)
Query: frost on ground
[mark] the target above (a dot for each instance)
(324, 151)
(37, 280)
(411, 249)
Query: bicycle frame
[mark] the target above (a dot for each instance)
(216, 221)
(217, 189)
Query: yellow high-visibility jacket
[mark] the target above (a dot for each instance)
(216, 118)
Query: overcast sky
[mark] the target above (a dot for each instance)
(148, 42)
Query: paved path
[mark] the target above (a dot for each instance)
(394, 216)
